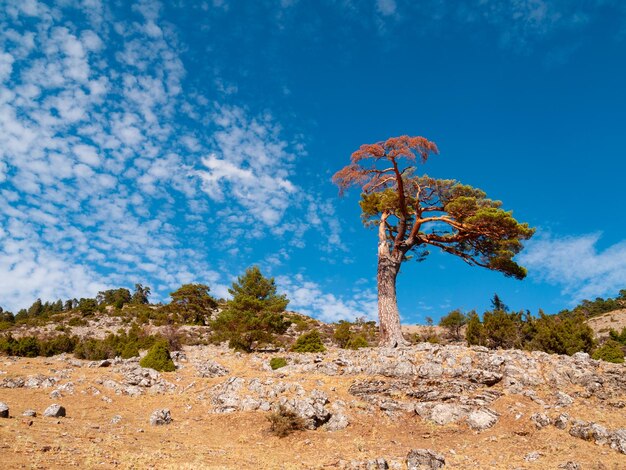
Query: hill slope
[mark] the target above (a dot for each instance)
(477, 408)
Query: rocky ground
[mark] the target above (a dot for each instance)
(426, 406)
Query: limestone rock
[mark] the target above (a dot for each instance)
(482, 419)
(618, 440)
(160, 417)
(561, 421)
(210, 369)
(484, 377)
(541, 420)
(54, 411)
(563, 399)
(337, 422)
(445, 413)
(424, 459)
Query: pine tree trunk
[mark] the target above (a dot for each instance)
(388, 315)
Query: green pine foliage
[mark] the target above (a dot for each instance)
(354, 335)
(193, 304)
(254, 316)
(453, 322)
(618, 337)
(357, 342)
(309, 342)
(474, 333)
(593, 308)
(278, 362)
(561, 334)
(555, 334)
(611, 351)
(158, 358)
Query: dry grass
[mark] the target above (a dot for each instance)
(199, 439)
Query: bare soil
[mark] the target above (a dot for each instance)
(197, 438)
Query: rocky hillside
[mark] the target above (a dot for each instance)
(425, 406)
(602, 324)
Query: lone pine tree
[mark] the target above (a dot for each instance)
(413, 213)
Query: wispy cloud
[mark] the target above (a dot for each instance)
(104, 153)
(577, 265)
(309, 298)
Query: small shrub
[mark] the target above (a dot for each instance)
(130, 350)
(278, 362)
(158, 358)
(77, 321)
(309, 343)
(610, 351)
(28, 346)
(284, 422)
(356, 342)
(58, 345)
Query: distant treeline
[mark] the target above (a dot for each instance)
(564, 333)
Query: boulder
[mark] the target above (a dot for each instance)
(563, 399)
(430, 370)
(561, 421)
(581, 429)
(618, 440)
(210, 369)
(424, 459)
(4, 410)
(337, 422)
(445, 413)
(54, 411)
(30, 413)
(541, 420)
(484, 377)
(160, 417)
(480, 420)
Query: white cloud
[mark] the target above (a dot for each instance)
(576, 265)
(307, 297)
(98, 171)
(386, 7)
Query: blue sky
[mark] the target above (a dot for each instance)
(175, 142)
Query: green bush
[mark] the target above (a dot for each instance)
(357, 342)
(130, 350)
(278, 362)
(58, 345)
(77, 321)
(342, 334)
(453, 322)
(284, 422)
(309, 343)
(611, 351)
(158, 358)
(27, 346)
(474, 333)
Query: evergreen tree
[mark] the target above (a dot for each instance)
(453, 322)
(416, 213)
(141, 294)
(474, 334)
(497, 304)
(254, 315)
(193, 303)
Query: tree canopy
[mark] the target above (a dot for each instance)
(193, 302)
(420, 211)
